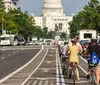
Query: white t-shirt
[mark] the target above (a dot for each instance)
(64, 49)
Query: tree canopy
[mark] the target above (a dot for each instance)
(88, 18)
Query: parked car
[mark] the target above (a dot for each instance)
(21, 41)
(29, 43)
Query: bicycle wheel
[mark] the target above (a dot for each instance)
(74, 75)
(66, 69)
(92, 79)
(63, 68)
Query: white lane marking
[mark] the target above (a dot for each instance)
(35, 69)
(82, 69)
(62, 77)
(59, 76)
(57, 72)
(9, 55)
(19, 49)
(46, 69)
(83, 59)
(50, 55)
(39, 78)
(5, 78)
(49, 61)
(2, 57)
(46, 78)
(84, 82)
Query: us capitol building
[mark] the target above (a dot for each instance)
(53, 17)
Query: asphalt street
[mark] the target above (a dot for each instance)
(36, 66)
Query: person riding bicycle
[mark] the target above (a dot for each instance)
(94, 47)
(74, 50)
(64, 52)
(64, 49)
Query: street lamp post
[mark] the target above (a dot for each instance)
(2, 24)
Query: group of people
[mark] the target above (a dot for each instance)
(74, 48)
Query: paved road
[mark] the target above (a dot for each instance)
(11, 60)
(43, 69)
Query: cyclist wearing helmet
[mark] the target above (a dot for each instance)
(94, 47)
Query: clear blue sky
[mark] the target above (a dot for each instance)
(69, 6)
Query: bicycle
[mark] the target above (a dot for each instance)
(92, 75)
(73, 71)
(65, 66)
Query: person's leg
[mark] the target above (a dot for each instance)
(88, 75)
(77, 73)
(70, 70)
(88, 71)
(97, 76)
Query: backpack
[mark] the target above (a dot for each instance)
(94, 59)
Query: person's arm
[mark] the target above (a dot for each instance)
(86, 52)
(67, 49)
(79, 50)
(80, 47)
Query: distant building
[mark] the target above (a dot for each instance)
(10, 4)
(53, 17)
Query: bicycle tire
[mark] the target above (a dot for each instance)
(66, 69)
(63, 67)
(74, 76)
(92, 79)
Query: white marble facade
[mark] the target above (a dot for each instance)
(53, 17)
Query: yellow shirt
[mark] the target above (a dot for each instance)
(73, 53)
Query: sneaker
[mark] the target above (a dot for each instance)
(88, 77)
(70, 76)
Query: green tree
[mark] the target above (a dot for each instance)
(51, 34)
(63, 35)
(2, 8)
(88, 18)
(38, 32)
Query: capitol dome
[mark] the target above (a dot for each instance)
(52, 7)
